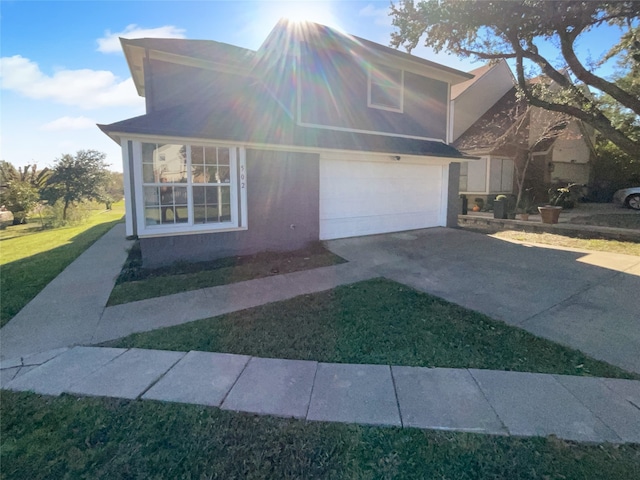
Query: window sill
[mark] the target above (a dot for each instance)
(173, 232)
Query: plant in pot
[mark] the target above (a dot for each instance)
(559, 198)
(500, 207)
(504, 206)
(550, 213)
(478, 204)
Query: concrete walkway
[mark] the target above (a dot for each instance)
(583, 409)
(71, 309)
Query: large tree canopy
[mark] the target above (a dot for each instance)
(516, 30)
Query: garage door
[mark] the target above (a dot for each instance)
(369, 197)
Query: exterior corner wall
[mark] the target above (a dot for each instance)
(453, 197)
(282, 207)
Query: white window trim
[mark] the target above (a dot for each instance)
(238, 184)
(370, 104)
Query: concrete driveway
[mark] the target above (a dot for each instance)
(589, 301)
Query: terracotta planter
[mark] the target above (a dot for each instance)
(549, 214)
(524, 216)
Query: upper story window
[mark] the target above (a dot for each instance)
(386, 86)
(192, 188)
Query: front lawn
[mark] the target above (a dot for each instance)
(98, 438)
(31, 257)
(138, 283)
(379, 322)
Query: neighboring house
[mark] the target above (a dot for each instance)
(317, 135)
(485, 109)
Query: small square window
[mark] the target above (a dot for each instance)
(386, 88)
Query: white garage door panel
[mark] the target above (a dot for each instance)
(364, 198)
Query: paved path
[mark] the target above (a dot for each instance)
(71, 309)
(483, 401)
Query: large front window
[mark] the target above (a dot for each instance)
(191, 187)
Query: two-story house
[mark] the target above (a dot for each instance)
(316, 135)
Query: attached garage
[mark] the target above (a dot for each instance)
(364, 194)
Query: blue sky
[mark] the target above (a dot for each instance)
(63, 70)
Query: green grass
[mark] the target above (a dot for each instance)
(31, 257)
(137, 283)
(66, 437)
(377, 322)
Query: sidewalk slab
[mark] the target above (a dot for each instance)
(354, 394)
(8, 374)
(534, 404)
(200, 378)
(274, 387)
(66, 311)
(60, 373)
(616, 412)
(127, 376)
(629, 389)
(443, 399)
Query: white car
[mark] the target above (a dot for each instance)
(629, 197)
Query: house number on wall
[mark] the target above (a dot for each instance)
(242, 177)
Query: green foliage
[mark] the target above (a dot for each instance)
(492, 30)
(612, 170)
(77, 178)
(20, 197)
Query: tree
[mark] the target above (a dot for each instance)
(20, 189)
(514, 30)
(77, 178)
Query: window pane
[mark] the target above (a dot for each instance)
(151, 196)
(151, 216)
(148, 173)
(223, 175)
(182, 214)
(180, 195)
(223, 156)
(197, 156)
(212, 195)
(198, 196)
(199, 214)
(385, 96)
(210, 155)
(166, 195)
(171, 161)
(225, 194)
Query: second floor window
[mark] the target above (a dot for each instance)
(386, 88)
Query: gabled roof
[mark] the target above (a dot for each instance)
(322, 36)
(255, 117)
(457, 90)
(485, 132)
(201, 53)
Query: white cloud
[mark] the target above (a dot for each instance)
(82, 88)
(69, 123)
(380, 15)
(110, 43)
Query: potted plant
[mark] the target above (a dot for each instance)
(550, 213)
(500, 207)
(478, 204)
